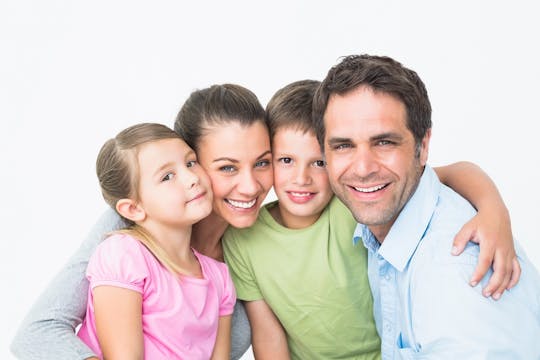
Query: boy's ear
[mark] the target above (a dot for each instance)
(130, 210)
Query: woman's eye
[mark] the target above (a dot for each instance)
(285, 160)
(168, 177)
(191, 163)
(319, 163)
(227, 168)
(262, 163)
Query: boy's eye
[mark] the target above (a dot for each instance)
(285, 160)
(167, 177)
(191, 163)
(319, 163)
(262, 163)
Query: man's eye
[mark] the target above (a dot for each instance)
(384, 142)
(342, 146)
(319, 163)
(168, 177)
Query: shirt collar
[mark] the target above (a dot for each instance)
(409, 227)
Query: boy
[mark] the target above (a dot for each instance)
(315, 293)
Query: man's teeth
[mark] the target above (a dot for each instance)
(242, 204)
(369, 189)
(300, 194)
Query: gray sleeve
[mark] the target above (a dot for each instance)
(240, 331)
(48, 330)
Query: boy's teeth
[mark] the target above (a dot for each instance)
(242, 204)
(300, 194)
(370, 189)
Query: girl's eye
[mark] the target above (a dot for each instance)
(319, 163)
(262, 163)
(285, 160)
(167, 177)
(191, 163)
(227, 168)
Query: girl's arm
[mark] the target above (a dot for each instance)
(118, 313)
(222, 349)
(490, 227)
(48, 331)
(267, 335)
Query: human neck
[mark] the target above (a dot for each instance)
(206, 236)
(174, 241)
(291, 221)
(380, 231)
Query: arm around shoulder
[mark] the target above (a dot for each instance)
(48, 330)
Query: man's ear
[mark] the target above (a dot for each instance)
(424, 148)
(130, 210)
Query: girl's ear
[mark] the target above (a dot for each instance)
(130, 210)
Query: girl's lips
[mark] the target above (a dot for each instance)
(197, 197)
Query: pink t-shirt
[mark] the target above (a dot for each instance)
(180, 316)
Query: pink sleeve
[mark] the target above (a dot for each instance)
(228, 298)
(118, 261)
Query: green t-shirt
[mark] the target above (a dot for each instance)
(314, 279)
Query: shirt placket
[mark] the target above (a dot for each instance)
(388, 295)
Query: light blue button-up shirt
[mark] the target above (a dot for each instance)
(424, 307)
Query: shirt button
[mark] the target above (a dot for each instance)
(387, 327)
(387, 277)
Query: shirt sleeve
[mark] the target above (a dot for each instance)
(48, 330)
(228, 298)
(243, 278)
(119, 261)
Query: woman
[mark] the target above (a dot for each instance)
(225, 125)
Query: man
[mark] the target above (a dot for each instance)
(374, 124)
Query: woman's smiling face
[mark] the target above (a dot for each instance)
(238, 160)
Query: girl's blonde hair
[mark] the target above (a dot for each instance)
(118, 173)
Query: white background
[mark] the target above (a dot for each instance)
(73, 73)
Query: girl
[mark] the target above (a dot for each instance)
(151, 295)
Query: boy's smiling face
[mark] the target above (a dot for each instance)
(300, 179)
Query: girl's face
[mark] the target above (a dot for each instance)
(238, 161)
(173, 188)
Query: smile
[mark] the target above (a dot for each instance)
(369, 189)
(197, 197)
(300, 194)
(241, 204)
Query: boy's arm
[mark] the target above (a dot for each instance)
(48, 331)
(118, 313)
(222, 348)
(267, 335)
(490, 227)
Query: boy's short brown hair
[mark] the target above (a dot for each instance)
(291, 107)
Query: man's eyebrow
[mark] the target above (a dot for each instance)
(338, 140)
(386, 136)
